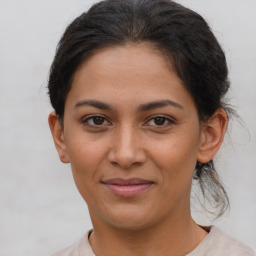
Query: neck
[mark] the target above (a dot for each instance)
(175, 236)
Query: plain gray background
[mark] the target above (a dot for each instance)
(41, 211)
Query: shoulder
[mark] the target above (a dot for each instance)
(219, 243)
(82, 247)
(230, 245)
(68, 251)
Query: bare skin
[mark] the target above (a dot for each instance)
(129, 119)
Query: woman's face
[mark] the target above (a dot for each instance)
(132, 136)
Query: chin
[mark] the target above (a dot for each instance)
(129, 218)
(131, 224)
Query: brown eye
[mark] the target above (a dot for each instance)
(95, 121)
(159, 120)
(98, 120)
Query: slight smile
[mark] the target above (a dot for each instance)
(127, 187)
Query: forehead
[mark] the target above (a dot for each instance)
(134, 56)
(131, 72)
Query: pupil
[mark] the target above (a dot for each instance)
(98, 120)
(159, 120)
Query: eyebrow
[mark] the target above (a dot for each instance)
(93, 103)
(144, 107)
(159, 104)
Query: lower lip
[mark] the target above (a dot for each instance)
(128, 190)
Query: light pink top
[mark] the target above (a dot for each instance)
(216, 243)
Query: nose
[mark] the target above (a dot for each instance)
(127, 148)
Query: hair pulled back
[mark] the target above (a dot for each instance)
(179, 33)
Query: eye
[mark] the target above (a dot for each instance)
(160, 121)
(96, 121)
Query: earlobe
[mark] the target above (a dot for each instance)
(58, 136)
(212, 136)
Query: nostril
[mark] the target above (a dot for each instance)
(114, 163)
(126, 165)
(126, 153)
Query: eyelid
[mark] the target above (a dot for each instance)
(168, 118)
(88, 117)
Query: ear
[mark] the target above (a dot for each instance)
(212, 135)
(58, 137)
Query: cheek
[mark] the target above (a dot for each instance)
(176, 158)
(86, 157)
(85, 153)
(178, 151)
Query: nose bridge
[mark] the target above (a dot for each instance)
(127, 148)
(126, 142)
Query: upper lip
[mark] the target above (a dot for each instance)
(123, 182)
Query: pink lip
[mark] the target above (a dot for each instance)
(127, 187)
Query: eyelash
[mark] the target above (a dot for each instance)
(93, 118)
(165, 118)
(103, 119)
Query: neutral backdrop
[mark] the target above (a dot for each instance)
(40, 208)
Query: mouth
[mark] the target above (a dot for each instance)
(127, 187)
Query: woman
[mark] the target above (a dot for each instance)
(138, 91)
